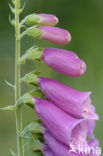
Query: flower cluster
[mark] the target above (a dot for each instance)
(68, 115)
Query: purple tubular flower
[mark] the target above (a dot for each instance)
(47, 19)
(62, 150)
(63, 61)
(55, 35)
(58, 148)
(47, 151)
(62, 126)
(75, 103)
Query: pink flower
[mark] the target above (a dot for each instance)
(63, 61)
(55, 35)
(47, 19)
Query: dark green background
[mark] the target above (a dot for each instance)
(84, 19)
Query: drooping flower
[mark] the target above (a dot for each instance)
(76, 103)
(61, 125)
(63, 61)
(42, 19)
(55, 35)
(62, 150)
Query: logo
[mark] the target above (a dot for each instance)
(85, 150)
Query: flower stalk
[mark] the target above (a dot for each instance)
(18, 112)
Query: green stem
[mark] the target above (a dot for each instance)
(18, 113)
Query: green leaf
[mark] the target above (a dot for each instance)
(21, 9)
(9, 84)
(11, 108)
(13, 2)
(12, 153)
(12, 9)
(12, 21)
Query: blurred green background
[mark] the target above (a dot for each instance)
(84, 19)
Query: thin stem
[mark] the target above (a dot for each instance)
(23, 34)
(18, 113)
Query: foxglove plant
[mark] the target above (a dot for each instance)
(66, 116)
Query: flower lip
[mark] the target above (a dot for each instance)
(79, 135)
(68, 37)
(78, 139)
(56, 19)
(83, 68)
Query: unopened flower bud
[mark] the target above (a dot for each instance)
(47, 19)
(55, 35)
(42, 19)
(63, 61)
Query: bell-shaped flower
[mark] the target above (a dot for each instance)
(75, 103)
(59, 148)
(55, 35)
(63, 61)
(61, 125)
(64, 150)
